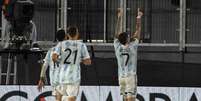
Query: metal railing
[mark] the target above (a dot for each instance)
(164, 21)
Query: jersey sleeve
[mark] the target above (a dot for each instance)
(116, 43)
(84, 52)
(57, 48)
(43, 70)
(134, 42)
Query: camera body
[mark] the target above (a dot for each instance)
(18, 14)
(23, 11)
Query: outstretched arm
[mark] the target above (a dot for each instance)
(138, 25)
(118, 28)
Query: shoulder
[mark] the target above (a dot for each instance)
(134, 41)
(83, 45)
(116, 40)
(53, 48)
(80, 42)
(116, 43)
(65, 42)
(49, 52)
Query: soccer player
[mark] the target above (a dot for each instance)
(70, 54)
(126, 54)
(54, 69)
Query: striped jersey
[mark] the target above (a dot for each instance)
(71, 53)
(54, 68)
(126, 57)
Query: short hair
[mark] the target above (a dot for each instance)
(60, 35)
(123, 37)
(72, 31)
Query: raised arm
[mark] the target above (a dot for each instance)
(138, 25)
(118, 28)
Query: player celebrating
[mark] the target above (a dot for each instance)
(70, 54)
(126, 54)
(54, 69)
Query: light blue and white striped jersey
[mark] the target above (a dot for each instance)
(126, 57)
(54, 69)
(72, 52)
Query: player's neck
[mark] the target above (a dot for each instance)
(72, 38)
(126, 45)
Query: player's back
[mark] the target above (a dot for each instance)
(71, 53)
(126, 57)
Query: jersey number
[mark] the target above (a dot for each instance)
(56, 64)
(69, 54)
(127, 57)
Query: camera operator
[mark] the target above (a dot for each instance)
(7, 33)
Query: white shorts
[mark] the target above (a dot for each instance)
(69, 90)
(56, 90)
(128, 86)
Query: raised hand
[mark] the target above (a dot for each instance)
(119, 12)
(139, 13)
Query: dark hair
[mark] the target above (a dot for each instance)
(60, 35)
(72, 31)
(123, 37)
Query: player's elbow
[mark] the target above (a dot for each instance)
(87, 61)
(136, 35)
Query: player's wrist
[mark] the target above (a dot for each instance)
(139, 17)
(42, 79)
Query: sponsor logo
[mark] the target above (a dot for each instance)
(105, 93)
